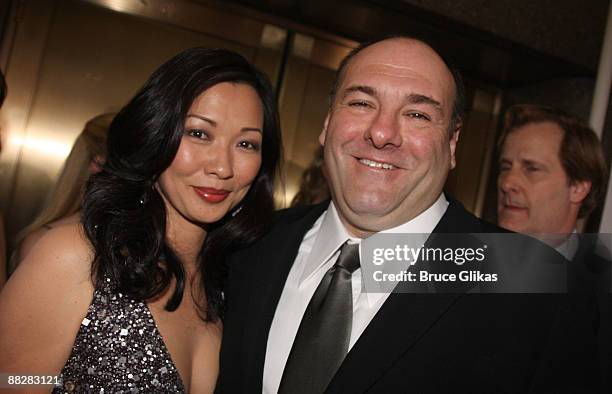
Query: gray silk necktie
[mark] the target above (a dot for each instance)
(322, 340)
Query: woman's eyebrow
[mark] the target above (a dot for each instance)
(202, 117)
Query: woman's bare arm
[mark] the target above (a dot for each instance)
(44, 302)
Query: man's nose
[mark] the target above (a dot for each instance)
(219, 161)
(509, 180)
(384, 130)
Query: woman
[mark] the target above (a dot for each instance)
(64, 203)
(189, 173)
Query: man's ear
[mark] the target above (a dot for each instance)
(454, 139)
(579, 190)
(323, 134)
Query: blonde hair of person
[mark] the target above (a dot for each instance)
(313, 185)
(88, 151)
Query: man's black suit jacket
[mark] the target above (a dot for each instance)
(591, 267)
(416, 343)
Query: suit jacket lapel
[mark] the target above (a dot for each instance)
(400, 323)
(280, 249)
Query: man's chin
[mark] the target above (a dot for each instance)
(368, 218)
(512, 225)
(370, 207)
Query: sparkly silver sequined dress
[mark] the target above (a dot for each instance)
(119, 350)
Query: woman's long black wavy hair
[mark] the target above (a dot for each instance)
(124, 216)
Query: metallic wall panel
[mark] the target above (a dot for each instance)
(291, 99)
(188, 15)
(302, 144)
(475, 150)
(312, 115)
(304, 101)
(21, 68)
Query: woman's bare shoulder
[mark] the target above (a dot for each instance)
(45, 300)
(71, 219)
(63, 248)
(28, 242)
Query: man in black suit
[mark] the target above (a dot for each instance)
(389, 142)
(552, 172)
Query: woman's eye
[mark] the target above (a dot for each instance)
(200, 134)
(249, 145)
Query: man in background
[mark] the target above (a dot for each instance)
(552, 172)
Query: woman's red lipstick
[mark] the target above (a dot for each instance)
(210, 194)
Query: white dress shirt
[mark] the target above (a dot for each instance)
(317, 254)
(569, 247)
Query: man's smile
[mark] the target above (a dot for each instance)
(377, 164)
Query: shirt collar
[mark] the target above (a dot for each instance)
(425, 222)
(332, 233)
(570, 246)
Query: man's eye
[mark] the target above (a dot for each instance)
(418, 115)
(532, 168)
(359, 103)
